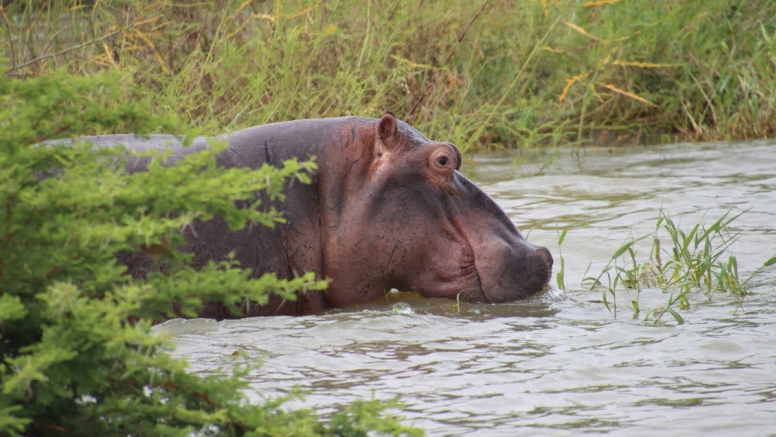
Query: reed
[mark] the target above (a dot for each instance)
(560, 276)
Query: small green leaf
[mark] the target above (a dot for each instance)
(624, 248)
(677, 317)
(562, 237)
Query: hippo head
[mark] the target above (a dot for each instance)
(406, 218)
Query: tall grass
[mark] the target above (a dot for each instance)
(504, 73)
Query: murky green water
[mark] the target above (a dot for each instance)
(558, 364)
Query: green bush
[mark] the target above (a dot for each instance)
(76, 352)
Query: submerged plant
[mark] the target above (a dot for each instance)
(694, 262)
(560, 276)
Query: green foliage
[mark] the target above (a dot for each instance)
(513, 73)
(76, 351)
(694, 263)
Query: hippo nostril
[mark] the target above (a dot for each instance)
(545, 255)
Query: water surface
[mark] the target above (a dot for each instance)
(559, 364)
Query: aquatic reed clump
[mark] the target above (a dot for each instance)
(695, 261)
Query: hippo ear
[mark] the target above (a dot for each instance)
(387, 129)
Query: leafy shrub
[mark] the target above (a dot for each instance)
(76, 351)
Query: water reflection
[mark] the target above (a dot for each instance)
(557, 364)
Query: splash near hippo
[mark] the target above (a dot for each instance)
(386, 209)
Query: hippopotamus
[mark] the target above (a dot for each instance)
(387, 208)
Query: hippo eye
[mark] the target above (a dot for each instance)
(379, 154)
(442, 160)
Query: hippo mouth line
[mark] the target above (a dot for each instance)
(480, 290)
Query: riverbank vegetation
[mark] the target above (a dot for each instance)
(490, 73)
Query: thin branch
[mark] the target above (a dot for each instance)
(465, 31)
(10, 37)
(62, 52)
(431, 81)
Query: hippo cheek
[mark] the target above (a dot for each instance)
(512, 270)
(442, 269)
(449, 282)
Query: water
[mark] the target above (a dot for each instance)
(559, 364)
